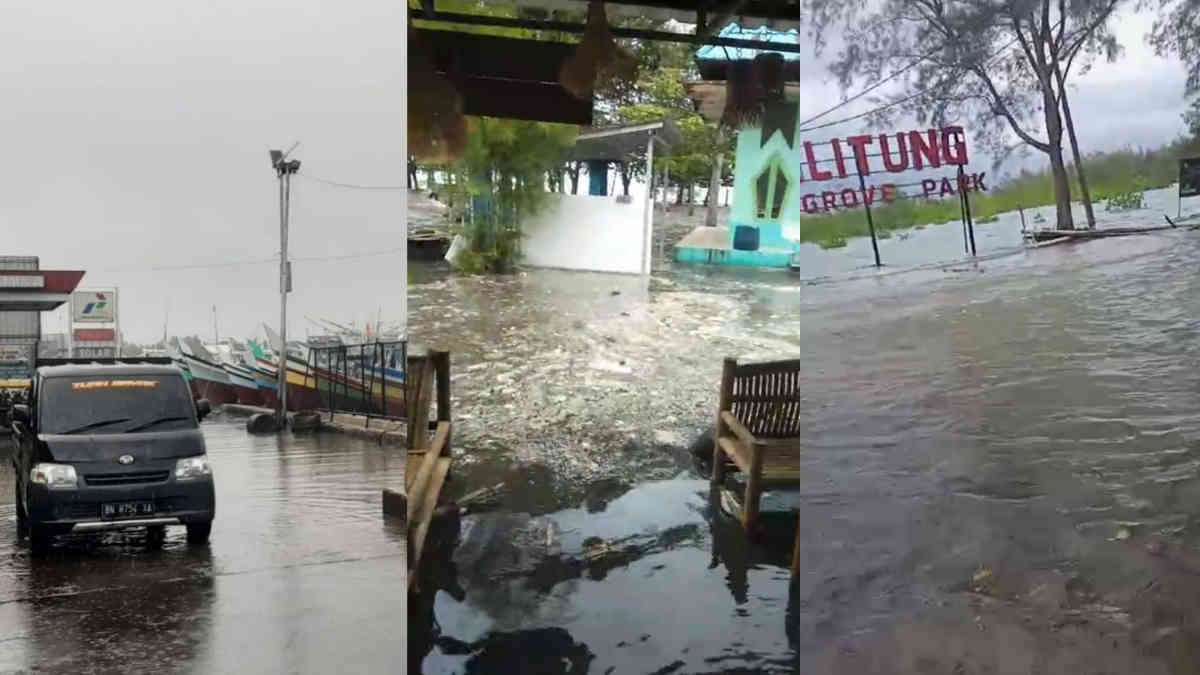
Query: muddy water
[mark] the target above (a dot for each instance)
(1001, 466)
(302, 574)
(581, 393)
(948, 242)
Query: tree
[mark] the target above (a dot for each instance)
(1177, 31)
(502, 175)
(1002, 65)
(1191, 118)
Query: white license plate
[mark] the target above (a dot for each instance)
(126, 509)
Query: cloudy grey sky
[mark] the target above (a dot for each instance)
(1135, 101)
(136, 134)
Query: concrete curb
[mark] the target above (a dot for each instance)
(239, 409)
(381, 437)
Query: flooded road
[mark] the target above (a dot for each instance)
(1001, 466)
(302, 574)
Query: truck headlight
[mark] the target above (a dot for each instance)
(55, 476)
(191, 468)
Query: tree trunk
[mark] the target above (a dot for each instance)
(1062, 189)
(679, 195)
(1084, 193)
(666, 183)
(714, 192)
(1058, 169)
(573, 172)
(626, 176)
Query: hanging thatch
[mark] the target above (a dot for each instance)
(598, 59)
(437, 128)
(751, 85)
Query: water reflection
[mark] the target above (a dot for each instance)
(301, 574)
(654, 580)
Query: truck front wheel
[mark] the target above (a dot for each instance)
(197, 533)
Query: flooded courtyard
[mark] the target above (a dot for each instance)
(582, 392)
(302, 573)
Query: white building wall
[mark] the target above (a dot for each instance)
(581, 232)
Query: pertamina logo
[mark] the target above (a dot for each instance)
(101, 303)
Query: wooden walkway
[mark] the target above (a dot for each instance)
(1046, 235)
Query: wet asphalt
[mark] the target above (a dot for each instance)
(302, 574)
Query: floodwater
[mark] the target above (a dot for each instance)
(1000, 477)
(1001, 465)
(581, 392)
(946, 243)
(302, 574)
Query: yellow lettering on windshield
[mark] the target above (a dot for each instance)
(115, 384)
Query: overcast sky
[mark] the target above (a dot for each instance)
(1136, 101)
(135, 136)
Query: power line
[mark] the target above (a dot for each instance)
(249, 263)
(351, 186)
(890, 104)
(871, 88)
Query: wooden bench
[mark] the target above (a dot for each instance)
(758, 429)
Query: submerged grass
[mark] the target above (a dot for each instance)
(1110, 175)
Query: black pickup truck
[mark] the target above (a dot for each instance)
(111, 446)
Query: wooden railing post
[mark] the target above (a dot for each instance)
(441, 366)
(418, 397)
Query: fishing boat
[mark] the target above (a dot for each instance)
(302, 391)
(209, 379)
(245, 383)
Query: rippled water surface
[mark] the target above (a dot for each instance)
(1011, 448)
(302, 573)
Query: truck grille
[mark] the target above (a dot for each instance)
(127, 478)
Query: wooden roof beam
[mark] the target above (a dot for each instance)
(637, 33)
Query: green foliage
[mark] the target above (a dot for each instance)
(503, 172)
(659, 94)
(1124, 201)
(833, 241)
(1191, 117)
(1122, 175)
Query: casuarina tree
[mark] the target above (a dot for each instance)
(1001, 67)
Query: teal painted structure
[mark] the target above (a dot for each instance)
(766, 181)
(597, 177)
(778, 231)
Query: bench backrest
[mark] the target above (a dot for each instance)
(764, 397)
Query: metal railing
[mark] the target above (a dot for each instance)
(366, 379)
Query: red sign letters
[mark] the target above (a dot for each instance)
(904, 151)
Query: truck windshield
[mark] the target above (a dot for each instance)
(108, 404)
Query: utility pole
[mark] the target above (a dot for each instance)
(284, 170)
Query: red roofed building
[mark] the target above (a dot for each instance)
(26, 292)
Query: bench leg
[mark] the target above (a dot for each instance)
(718, 467)
(753, 490)
(796, 550)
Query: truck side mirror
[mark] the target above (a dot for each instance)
(20, 413)
(203, 408)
